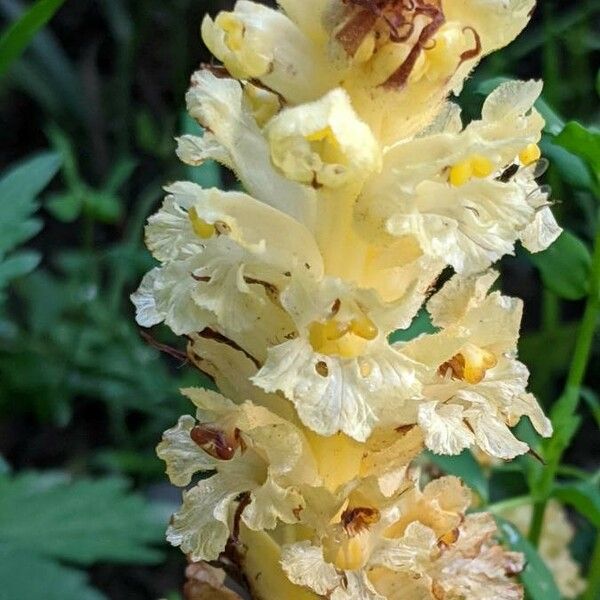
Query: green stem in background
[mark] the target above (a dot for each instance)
(564, 417)
(503, 505)
(592, 591)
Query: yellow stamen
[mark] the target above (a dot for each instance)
(347, 340)
(200, 226)
(470, 364)
(364, 328)
(233, 28)
(482, 166)
(475, 166)
(461, 173)
(530, 154)
(324, 135)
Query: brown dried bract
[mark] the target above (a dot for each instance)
(205, 582)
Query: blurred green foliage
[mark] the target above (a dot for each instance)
(90, 111)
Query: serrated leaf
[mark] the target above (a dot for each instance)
(18, 190)
(20, 33)
(81, 522)
(583, 496)
(536, 577)
(467, 468)
(25, 577)
(565, 267)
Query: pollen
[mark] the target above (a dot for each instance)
(530, 154)
(461, 173)
(475, 166)
(200, 226)
(482, 166)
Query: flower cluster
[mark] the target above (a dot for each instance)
(367, 205)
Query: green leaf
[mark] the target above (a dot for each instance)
(102, 206)
(565, 267)
(18, 190)
(467, 468)
(17, 37)
(582, 142)
(421, 324)
(25, 576)
(536, 577)
(17, 265)
(571, 168)
(82, 522)
(583, 496)
(593, 403)
(64, 207)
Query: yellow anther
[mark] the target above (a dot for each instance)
(470, 364)
(233, 28)
(477, 362)
(320, 333)
(364, 328)
(200, 226)
(482, 167)
(530, 154)
(475, 166)
(323, 135)
(461, 173)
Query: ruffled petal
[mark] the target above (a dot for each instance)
(182, 455)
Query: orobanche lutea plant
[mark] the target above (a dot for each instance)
(366, 201)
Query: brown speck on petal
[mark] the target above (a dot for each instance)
(359, 519)
(217, 443)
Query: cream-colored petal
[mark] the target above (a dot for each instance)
(270, 234)
(219, 106)
(444, 427)
(201, 527)
(256, 42)
(169, 234)
(459, 295)
(182, 455)
(194, 150)
(510, 100)
(494, 437)
(272, 503)
(323, 143)
(166, 294)
(304, 565)
(333, 394)
(411, 552)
